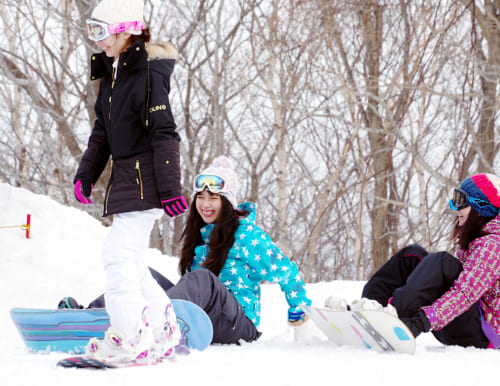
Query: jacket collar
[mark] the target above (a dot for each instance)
(101, 65)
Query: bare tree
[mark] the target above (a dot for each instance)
(485, 39)
(49, 96)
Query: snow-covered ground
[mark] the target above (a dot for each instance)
(62, 258)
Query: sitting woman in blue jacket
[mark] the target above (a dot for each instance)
(225, 257)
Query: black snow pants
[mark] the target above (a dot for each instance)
(414, 278)
(205, 289)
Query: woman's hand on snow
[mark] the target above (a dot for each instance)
(305, 331)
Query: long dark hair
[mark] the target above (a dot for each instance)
(471, 230)
(221, 238)
(145, 36)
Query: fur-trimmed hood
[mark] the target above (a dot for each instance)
(157, 56)
(161, 50)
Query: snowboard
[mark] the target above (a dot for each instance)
(374, 330)
(69, 330)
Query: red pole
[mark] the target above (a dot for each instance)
(28, 226)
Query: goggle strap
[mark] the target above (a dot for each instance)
(106, 30)
(480, 203)
(125, 26)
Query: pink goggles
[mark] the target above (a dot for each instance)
(98, 30)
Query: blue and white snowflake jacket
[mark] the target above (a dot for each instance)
(253, 258)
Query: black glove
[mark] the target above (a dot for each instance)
(417, 323)
(69, 302)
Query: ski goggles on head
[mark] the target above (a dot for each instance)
(98, 30)
(461, 199)
(214, 184)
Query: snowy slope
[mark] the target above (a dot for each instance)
(63, 259)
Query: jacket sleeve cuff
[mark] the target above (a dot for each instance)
(430, 313)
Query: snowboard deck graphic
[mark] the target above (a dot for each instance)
(69, 330)
(86, 362)
(374, 330)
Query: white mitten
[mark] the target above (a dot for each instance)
(305, 331)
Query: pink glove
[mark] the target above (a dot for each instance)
(174, 207)
(83, 190)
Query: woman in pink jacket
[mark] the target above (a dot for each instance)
(455, 297)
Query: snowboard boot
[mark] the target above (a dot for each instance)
(115, 348)
(336, 303)
(365, 304)
(168, 337)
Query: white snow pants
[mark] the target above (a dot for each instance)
(130, 286)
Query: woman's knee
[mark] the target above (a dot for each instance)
(199, 275)
(445, 265)
(414, 250)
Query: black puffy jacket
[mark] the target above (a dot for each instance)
(135, 127)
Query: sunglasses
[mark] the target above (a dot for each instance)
(98, 30)
(214, 184)
(461, 199)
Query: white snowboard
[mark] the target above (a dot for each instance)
(375, 330)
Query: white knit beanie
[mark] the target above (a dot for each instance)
(223, 167)
(119, 11)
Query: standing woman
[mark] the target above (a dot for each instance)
(135, 127)
(457, 298)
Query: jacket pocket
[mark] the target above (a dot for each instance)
(134, 186)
